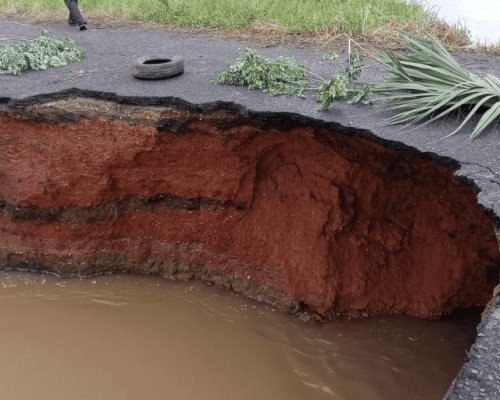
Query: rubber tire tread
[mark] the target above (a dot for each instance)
(158, 71)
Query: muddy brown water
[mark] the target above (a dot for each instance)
(132, 337)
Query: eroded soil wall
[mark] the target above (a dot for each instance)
(302, 217)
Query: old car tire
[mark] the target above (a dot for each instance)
(158, 67)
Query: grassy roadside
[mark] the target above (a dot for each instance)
(372, 21)
(294, 15)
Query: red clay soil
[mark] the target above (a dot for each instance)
(325, 222)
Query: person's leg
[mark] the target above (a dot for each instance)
(71, 20)
(75, 17)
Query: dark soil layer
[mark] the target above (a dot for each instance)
(302, 216)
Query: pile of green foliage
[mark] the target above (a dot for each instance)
(282, 76)
(285, 76)
(428, 84)
(39, 54)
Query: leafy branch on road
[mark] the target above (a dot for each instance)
(284, 76)
(41, 53)
(342, 86)
(428, 83)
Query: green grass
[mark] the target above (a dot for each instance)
(295, 15)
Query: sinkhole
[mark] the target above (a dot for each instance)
(305, 216)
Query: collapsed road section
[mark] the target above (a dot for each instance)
(306, 215)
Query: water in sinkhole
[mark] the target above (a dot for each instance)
(135, 337)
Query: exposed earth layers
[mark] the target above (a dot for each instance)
(302, 214)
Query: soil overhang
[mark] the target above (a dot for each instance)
(303, 213)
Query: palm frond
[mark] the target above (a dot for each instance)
(428, 84)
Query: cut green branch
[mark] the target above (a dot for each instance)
(285, 76)
(429, 84)
(282, 76)
(39, 54)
